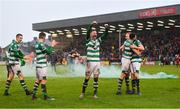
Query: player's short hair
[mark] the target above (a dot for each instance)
(132, 35)
(18, 35)
(42, 35)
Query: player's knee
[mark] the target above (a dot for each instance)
(18, 73)
(133, 76)
(10, 76)
(20, 76)
(44, 80)
(137, 75)
(123, 75)
(127, 74)
(88, 74)
(96, 74)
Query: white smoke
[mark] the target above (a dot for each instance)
(29, 70)
(111, 71)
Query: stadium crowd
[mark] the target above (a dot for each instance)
(161, 45)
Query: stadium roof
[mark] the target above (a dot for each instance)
(145, 19)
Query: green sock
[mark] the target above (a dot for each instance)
(8, 83)
(44, 91)
(95, 85)
(127, 83)
(138, 85)
(23, 84)
(119, 84)
(133, 85)
(85, 84)
(35, 89)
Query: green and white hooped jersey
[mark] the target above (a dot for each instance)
(93, 50)
(13, 49)
(127, 50)
(41, 60)
(135, 57)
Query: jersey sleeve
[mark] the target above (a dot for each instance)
(127, 43)
(42, 47)
(13, 47)
(103, 36)
(139, 43)
(48, 50)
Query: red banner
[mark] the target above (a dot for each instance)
(157, 12)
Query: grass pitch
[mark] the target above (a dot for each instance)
(156, 93)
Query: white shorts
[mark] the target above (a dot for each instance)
(41, 73)
(135, 66)
(92, 67)
(15, 69)
(125, 64)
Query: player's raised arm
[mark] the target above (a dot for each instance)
(105, 34)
